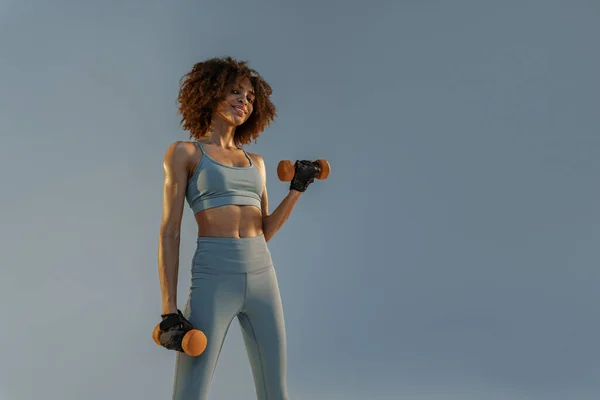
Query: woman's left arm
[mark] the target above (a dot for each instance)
(273, 222)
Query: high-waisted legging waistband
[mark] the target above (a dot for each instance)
(223, 255)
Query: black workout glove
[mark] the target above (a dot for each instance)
(172, 330)
(304, 175)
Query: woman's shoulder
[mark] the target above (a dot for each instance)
(183, 147)
(257, 158)
(180, 151)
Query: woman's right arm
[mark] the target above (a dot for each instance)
(175, 166)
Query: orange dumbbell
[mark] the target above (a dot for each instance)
(286, 170)
(193, 343)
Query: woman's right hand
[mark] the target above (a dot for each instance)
(173, 328)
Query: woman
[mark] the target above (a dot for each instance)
(224, 104)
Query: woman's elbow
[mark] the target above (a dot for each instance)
(170, 231)
(266, 229)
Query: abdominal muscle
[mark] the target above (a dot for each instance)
(230, 221)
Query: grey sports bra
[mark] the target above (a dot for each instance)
(214, 184)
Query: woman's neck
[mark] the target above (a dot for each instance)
(222, 136)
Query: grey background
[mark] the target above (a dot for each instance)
(452, 254)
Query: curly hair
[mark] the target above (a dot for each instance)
(207, 84)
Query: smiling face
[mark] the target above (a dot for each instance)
(238, 103)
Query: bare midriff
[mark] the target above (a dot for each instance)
(230, 221)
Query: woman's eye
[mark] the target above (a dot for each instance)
(250, 99)
(234, 91)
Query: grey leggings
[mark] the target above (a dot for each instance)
(234, 278)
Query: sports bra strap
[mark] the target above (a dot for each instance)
(248, 157)
(200, 147)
